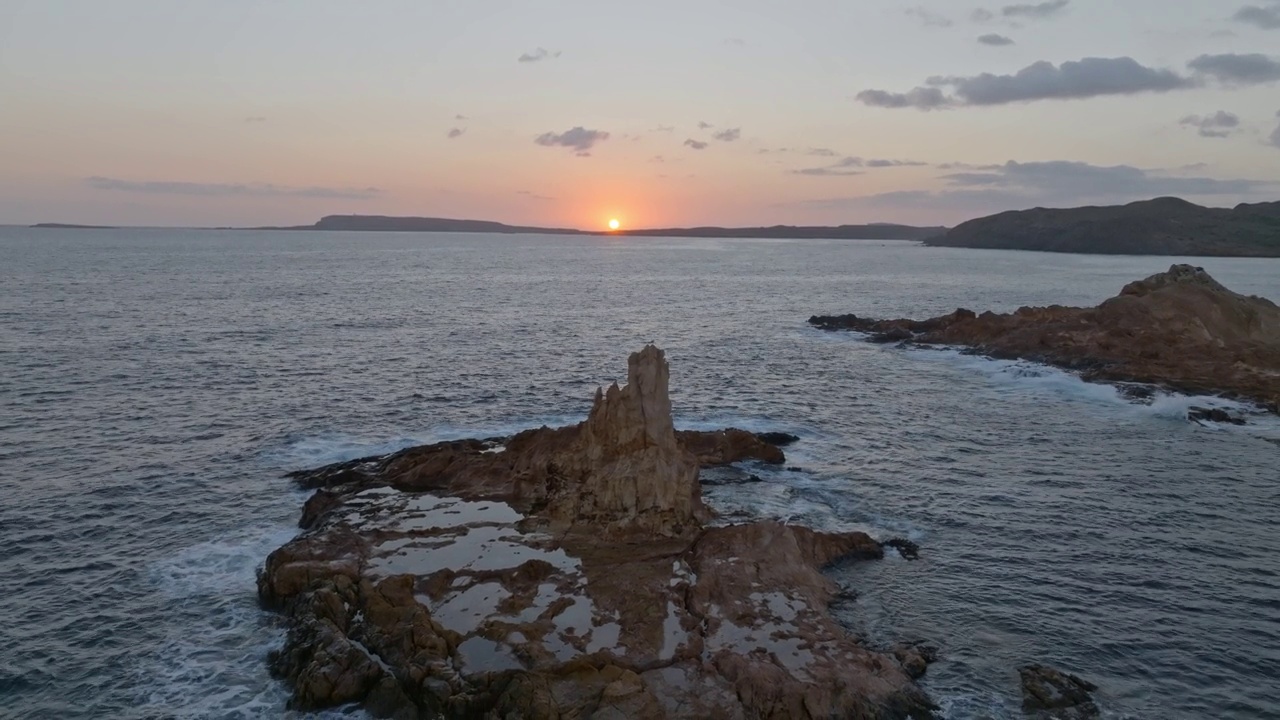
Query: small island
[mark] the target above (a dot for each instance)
(572, 572)
(1163, 226)
(1179, 329)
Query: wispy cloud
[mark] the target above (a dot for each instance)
(455, 133)
(177, 187)
(821, 152)
(842, 167)
(1036, 11)
(728, 134)
(846, 165)
(578, 138)
(995, 40)
(696, 144)
(1053, 183)
(538, 55)
(1266, 17)
(703, 125)
(735, 41)
(1233, 69)
(534, 196)
(929, 18)
(1274, 139)
(461, 117)
(1218, 125)
(665, 128)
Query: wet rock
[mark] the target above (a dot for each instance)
(1214, 415)
(780, 439)
(569, 572)
(907, 549)
(915, 658)
(1180, 329)
(1050, 694)
(729, 446)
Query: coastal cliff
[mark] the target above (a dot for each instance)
(570, 572)
(1163, 226)
(1180, 329)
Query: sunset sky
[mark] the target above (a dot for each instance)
(248, 112)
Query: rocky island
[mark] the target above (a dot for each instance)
(571, 572)
(1163, 226)
(1179, 329)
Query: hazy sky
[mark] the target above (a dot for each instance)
(241, 112)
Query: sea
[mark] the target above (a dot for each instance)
(156, 384)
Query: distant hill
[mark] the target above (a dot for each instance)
(71, 226)
(383, 223)
(874, 231)
(1163, 226)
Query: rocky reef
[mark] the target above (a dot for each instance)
(570, 572)
(1179, 329)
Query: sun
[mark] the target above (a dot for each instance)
(614, 224)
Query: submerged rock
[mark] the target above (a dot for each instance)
(1050, 694)
(1180, 329)
(1214, 415)
(568, 572)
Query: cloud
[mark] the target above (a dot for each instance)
(1233, 69)
(461, 117)
(844, 165)
(534, 196)
(455, 133)
(1090, 77)
(735, 41)
(1038, 11)
(255, 119)
(728, 134)
(1267, 18)
(921, 98)
(657, 159)
(665, 128)
(893, 163)
(578, 138)
(982, 15)
(929, 19)
(821, 152)
(174, 187)
(704, 125)
(1274, 140)
(1078, 180)
(841, 167)
(538, 55)
(1218, 125)
(995, 40)
(696, 144)
(1053, 183)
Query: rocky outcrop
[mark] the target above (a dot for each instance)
(569, 572)
(1180, 329)
(1163, 226)
(1050, 694)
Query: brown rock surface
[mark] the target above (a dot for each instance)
(1180, 329)
(569, 572)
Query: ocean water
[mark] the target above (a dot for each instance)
(156, 383)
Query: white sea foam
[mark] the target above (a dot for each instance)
(213, 661)
(1022, 376)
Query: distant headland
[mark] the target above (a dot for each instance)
(1163, 226)
(383, 223)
